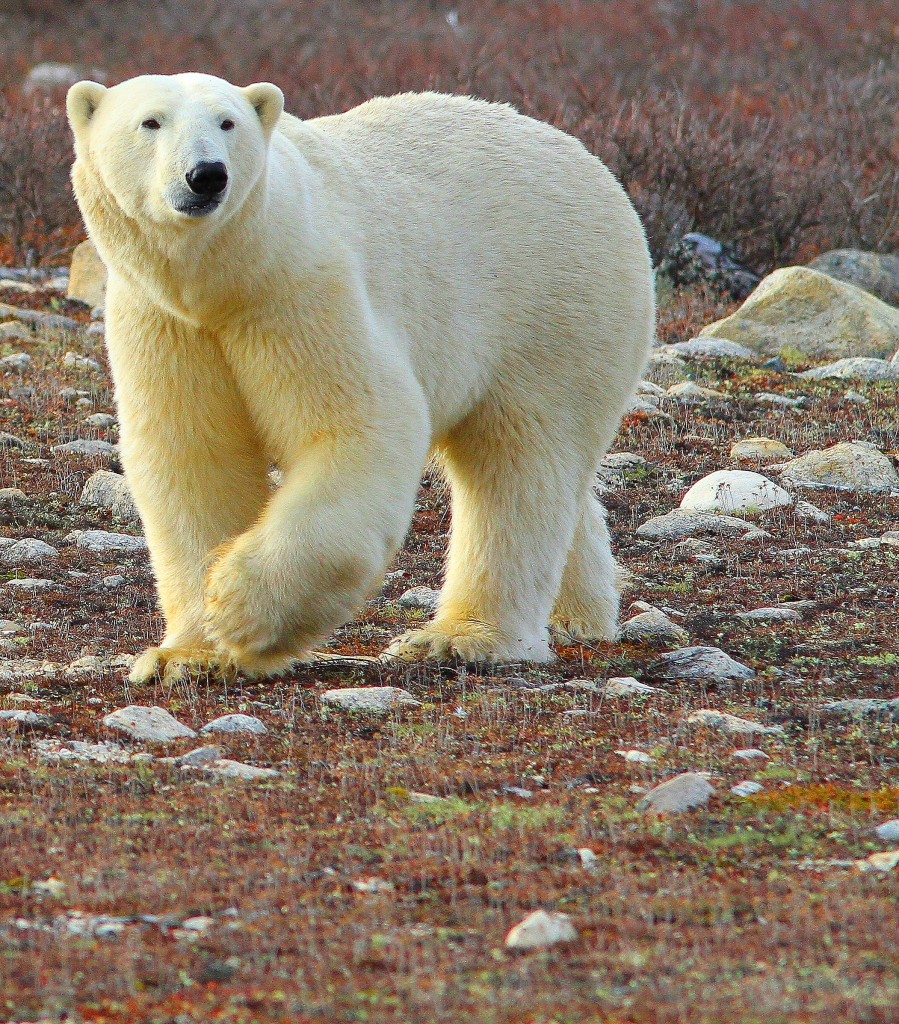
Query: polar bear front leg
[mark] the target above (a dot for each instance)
(322, 545)
(193, 465)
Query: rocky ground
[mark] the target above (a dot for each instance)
(704, 811)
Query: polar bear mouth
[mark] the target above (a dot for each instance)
(199, 207)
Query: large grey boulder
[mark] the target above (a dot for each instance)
(848, 466)
(877, 273)
(109, 490)
(802, 310)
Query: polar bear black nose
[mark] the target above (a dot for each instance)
(207, 178)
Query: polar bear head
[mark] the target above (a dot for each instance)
(171, 149)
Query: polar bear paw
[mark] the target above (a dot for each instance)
(469, 641)
(175, 664)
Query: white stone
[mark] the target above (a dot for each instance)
(746, 788)
(711, 348)
(29, 551)
(539, 930)
(75, 361)
(771, 615)
(888, 831)
(86, 449)
(780, 401)
(227, 769)
(152, 724)
(235, 724)
(101, 542)
(589, 860)
(652, 627)
(31, 585)
(78, 750)
(702, 664)
(10, 496)
(100, 421)
(635, 756)
(682, 793)
(17, 361)
(860, 707)
(883, 862)
(198, 756)
(30, 719)
(734, 491)
(688, 393)
(627, 686)
(377, 700)
(806, 510)
(750, 754)
(731, 725)
(847, 466)
(109, 490)
(682, 523)
(855, 368)
(420, 598)
(760, 449)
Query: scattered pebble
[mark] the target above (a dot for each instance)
(77, 362)
(103, 752)
(101, 542)
(889, 831)
(627, 686)
(750, 754)
(539, 930)
(652, 627)
(635, 756)
(770, 615)
(86, 449)
(731, 725)
(747, 788)
(420, 598)
(760, 449)
(682, 793)
(235, 724)
(376, 700)
(151, 724)
(701, 664)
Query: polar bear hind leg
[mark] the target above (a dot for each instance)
(516, 497)
(587, 605)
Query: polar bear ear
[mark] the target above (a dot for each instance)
(81, 103)
(268, 102)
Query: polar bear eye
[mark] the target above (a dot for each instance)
(227, 125)
(152, 123)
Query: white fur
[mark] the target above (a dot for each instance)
(423, 274)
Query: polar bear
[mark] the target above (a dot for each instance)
(345, 297)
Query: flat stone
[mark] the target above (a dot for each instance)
(420, 598)
(688, 393)
(711, 348)
(701, 664)
(11, 496)
(78, 362)
(760, 449)
(862, 707)
(806, 510)
(735, 491)
(890, 538)
(78, 750)
(652, 627)
(12, 330)
(235, 724)
(151, 724)
(847, 466)
(86, 449)
(883, 862)
(11, 441)
(100, 421)
(687, 523)
(771, 615)
(635, 756)
(31, 585)
(19, 361)
(102, 542)
(199, 756)
(750, 754)
(104, 489)
(225, 768)
(888, 831)
(29, 551)
(376, 700)
(90, 664)
(801, 309)
(780, 401)
(855, 368)
(746, 788)
(540, 930)
(682, 793)
(27, 719)
(627, 686)
(731, 725)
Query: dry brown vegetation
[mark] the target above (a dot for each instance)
(767, 125)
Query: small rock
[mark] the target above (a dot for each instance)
(711, 348)
(377, 700)
(856, 368)
(26, 552)
(780, 401)
(806, 510)
(373, 885)
(701, 664)
(734, 490)
(682, 793)
(627, 686)
(686, 523)
(652, 627)
(27, 719)
(102, 542)
(635, 756)
(235, 724)
(747, 788)
(420, 598)
(877, 273)
(19, 361)
(86, 449)
(688, 393)
(589, 860)
(879, 862)
(11, 441)
(152, 724)
(100, 421)
(760, 449)
(539, 930)
(227, 769)
(847, 466)
(199, 756)
(75, 361)
(13, 330)
(113, 582)
(854, 398)
(731, 725)
(888, 831)
(12, 496)
(770, 615)
(109, 490)
(750, 754)
(862, 707)
(87, 665)
(78, 750)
